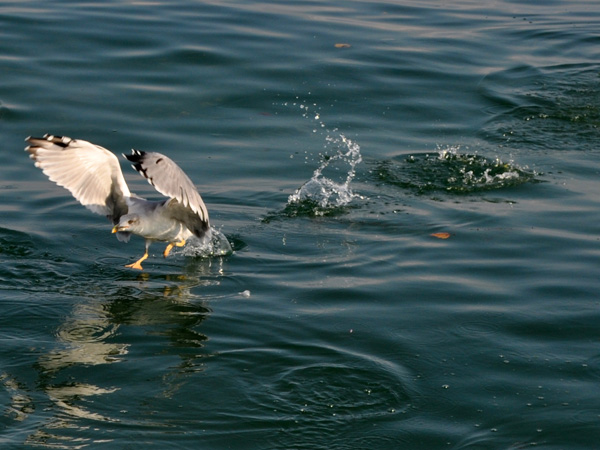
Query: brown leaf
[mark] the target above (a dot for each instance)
(342, 45)
(441, 235)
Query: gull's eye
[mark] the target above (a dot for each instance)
(130, 221)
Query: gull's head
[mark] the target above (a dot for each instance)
(128, 222)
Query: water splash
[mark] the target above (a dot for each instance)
(213, 244)
(329, 186)
(328, 191)
(452, 171)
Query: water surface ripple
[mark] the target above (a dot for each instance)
(410, 194)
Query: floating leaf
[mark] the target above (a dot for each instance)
(441, 235)
(342, 45)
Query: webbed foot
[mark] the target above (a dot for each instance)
(171, 245)
(138, 264)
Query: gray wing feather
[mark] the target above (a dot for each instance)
(168, 179)
(185, 215)
(90, 172)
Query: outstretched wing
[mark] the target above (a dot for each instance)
(90, 172)
(168, 179)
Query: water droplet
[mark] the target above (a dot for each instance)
(326, 190)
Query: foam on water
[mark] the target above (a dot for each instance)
(453, 171)
(479, 172)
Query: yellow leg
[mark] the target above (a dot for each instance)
(171, 245)
(168, 249)
(138, 263)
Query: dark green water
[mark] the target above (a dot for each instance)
(342, 320)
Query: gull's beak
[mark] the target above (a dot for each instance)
(115, 228)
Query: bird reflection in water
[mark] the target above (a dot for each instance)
(120, 326)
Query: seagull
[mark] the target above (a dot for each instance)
(93, 175)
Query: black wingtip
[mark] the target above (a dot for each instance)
(61, 141)
(30, 139)
(37, 142)
(136, 156)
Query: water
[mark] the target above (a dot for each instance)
(404, 200)
(451, 171)
(329, 189)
